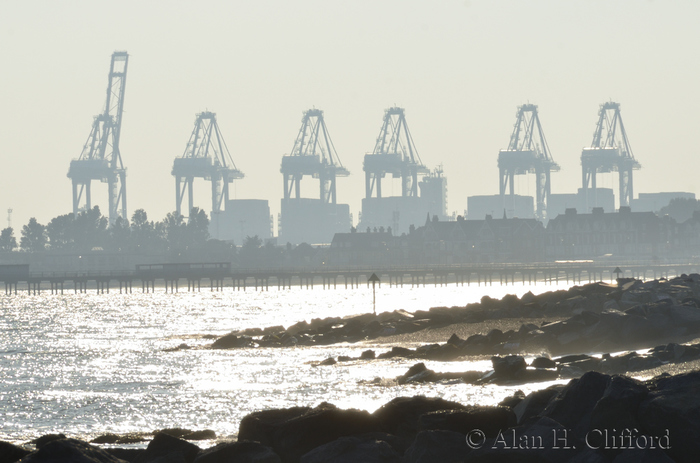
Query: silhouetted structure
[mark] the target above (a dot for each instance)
(642, 235)
(207, 157)
(395, 153)
(313, 154)
(527, 152)
(101, 158)
(610, 151)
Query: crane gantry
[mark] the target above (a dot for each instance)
(394, 153)
(610, 151)
(527, 152)
(206, 156)
(313, 154)
(101, 158)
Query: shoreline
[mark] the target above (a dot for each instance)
(568, 322)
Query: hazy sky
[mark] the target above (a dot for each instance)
(459, 68)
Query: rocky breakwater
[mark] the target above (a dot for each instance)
(594, 317)
(596, 418)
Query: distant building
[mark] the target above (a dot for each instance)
(400, 212)
(397, 212)
(433, 191)
(559, 203)
(241, 218)
(307, 220)
(653, 202)
(639, 235)
(362, 249)
(486, 240)
(522, 207)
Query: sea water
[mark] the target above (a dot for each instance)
(88, 364)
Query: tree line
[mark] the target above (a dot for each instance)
(89, 230)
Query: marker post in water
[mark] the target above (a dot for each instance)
(374, 279)
(617, 273)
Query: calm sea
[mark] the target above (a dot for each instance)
(87, 364)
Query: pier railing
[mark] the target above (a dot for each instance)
(223, 274)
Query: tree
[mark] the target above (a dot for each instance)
(60, 232)
(33, 236)
(175, 231)
(7, 240)
(145, 236)
(90, 230)
(120, 235)
(198, 228)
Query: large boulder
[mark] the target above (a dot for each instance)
(544, 440)
(400, 416)
(300, 433)
(368, 448)
(574, 404)
(9, 453)
(168, 448)
(437, 446)
(489, 420)
(70, 451)
(534, 403)
(672, 408)
(240, 452)
(261, 426)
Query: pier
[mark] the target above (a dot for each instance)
(216, 276)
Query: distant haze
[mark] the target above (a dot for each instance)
(459, 68)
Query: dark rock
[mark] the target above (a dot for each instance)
(261, 426)
(513, 400)
(507, 367)
(351, 449)
(166, 446)
(573, 406)
(672, 408)
(45, 439)
(69, 451)
(9, 453)
(437, 445)
(487, 419)
(129, 455)
(534, 403)
(293, 437)
(418, 373)
(495, 336)
(231, 341)
(328, 361)
(129, 438)
(243, 452)
(444, 352)
(617, 408)
(543, 362)
(545, 440)
(397, 352)
(455, 340)
(368, 355)
(645, 455)
(400, 416)
(204, 434)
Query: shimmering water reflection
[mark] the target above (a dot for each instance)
(86, 364)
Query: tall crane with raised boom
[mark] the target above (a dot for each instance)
(206, 156)
(394, 153)
(610, 151)
(527, 152)
(101, 158)
(313, 154)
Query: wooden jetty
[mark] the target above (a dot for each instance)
(220, 275)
